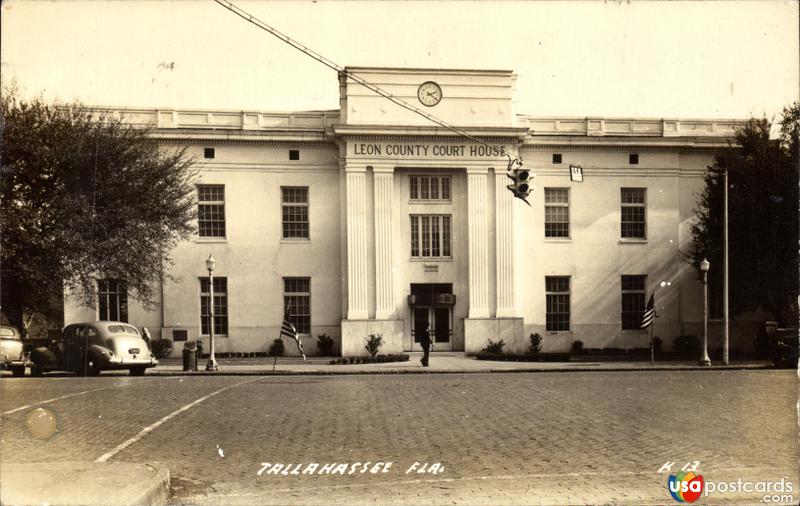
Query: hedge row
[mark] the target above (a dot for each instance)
(379, 359)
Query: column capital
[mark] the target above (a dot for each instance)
(355, 167)
(382, 169)
(477, 171)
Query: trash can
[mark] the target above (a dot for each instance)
(190, 356)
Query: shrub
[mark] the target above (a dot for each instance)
(686, 344)
(374, 343)
(577, 347)
(276, 348)
(536, 344)
(325, 345)
(162, 348)
(494, 347)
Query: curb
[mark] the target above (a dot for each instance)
(251, 372)
(85, 483)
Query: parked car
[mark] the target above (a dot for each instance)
(12, 356)
(92, 347)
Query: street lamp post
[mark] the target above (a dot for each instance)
(211, 365)
(704, 266)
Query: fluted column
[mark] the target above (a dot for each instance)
(478, 243)
(356, 243)
(504, 245)
(384, 184)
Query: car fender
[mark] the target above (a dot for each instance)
(44, 358)
(99, 355)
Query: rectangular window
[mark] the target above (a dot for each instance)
(556, 212)
(112, 300)
(633, 301)
(297, 301)
(294, 154)
(633, 159)
(208, 152)
(556, 157)
(220, 306)
(211, 210)
(429, 188)
(557, 295)
(295, 212)
(633, 213)
(430, 236)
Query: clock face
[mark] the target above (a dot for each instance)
(429, 93)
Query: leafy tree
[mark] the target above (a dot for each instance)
(85, 195)
(763, 218)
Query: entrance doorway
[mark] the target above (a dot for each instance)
(432, 308)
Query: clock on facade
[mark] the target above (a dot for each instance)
(429, 93)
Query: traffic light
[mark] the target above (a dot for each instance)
(521, 186)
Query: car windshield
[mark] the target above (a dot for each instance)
(123, 329)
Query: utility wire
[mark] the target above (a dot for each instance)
(377, 89)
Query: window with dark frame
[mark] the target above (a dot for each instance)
(211, 210)
(633, 301)
(220, 306)
(557, 302)
(633, 159)
(209, 153)
(112, 303)
(556, 157)
(294, 154)
(429, 188)
(297, 302)
(633, 213)
(430, 236)
(295, 212)
(556, 212)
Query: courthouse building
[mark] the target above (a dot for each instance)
(371, 219)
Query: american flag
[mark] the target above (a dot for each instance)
(649, 312)
(289, 330)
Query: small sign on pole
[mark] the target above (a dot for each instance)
(576, 173)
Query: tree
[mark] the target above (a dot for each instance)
(763, 218)
(85, 196)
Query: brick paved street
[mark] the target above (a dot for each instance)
(555, 438)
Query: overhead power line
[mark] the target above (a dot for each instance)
(377, 89)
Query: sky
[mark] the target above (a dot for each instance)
(573, 59)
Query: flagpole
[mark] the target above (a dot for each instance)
(725, 282)
(652, 348)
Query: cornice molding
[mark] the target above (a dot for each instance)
(393, 132)
(609, 144)
(250, 140)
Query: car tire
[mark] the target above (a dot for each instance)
(36, 371)
(138, 371)
(92, 370)
(18, 371)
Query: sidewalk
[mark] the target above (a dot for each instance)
(85, 483)
(451, 362)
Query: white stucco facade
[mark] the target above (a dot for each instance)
(358, 165)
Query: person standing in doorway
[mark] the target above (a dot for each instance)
(146, 337)
(426, 343)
